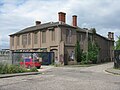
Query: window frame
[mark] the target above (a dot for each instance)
(12, 40)
(53, 34)
(18, 40)
(35, 37)
(68, 35)
(44, 36)
(24, 39)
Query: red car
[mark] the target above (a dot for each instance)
(31, 63)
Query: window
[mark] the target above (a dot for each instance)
(43, 36)
(53, 35)
(35, 37)
(78, 37)
(68, 36)
(81, 38)
(29, 39)
(70, 33)
(18, 40)
(24, 39)
(90, 38)
(27, 60)
(12, 41)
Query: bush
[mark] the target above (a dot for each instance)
(78, 52)
(93, 51)
(85, 59)
(9, 69)
(33, 69)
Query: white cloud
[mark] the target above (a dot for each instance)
(18, 14)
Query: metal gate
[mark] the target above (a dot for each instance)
(45, 57)
(117, 58)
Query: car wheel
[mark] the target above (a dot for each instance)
(38, 67)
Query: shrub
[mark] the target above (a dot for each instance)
(9, 69)
(85, 59)
(33, 69)
(93, 51)
(4, 69)
(78, 52)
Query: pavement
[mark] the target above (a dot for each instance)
(65, 78)
(113, 71)
(18, 74)
(42, 69)
(45, 68)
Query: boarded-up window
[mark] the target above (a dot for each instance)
(43, 36)
(24, 39)
(35, 37)
(18, 40)
(90, 38)
(68, 36)
(12, 40)
(29, 39)
(53, 35)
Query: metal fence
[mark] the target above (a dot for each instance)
(6, 57)
(117, 58)
(45, 57)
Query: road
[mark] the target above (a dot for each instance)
(65, 78)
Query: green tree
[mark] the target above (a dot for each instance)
(117, 47)
(78, 52)
(93, 51)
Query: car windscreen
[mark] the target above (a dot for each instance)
(36, 60)
(27, 60)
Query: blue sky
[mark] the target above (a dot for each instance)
(15, 15)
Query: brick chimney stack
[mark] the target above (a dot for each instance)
(74, 20)
(62, 17)
(111, 35)
(38, 22)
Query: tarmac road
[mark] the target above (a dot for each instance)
(65, 78)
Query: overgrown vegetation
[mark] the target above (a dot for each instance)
(33, 69)
(117, 47)
(78, 52)
(93, 50)
(9, 69)
(84, 58)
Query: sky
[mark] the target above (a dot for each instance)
(15, 15)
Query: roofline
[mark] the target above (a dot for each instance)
(96, 34)
(56, 24)
(65, 25)
(104, 37)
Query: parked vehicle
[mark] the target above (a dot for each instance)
(29, 62)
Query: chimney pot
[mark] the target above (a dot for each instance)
(112, 34)
(74, 20)
(38, 22)
(62, 17)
